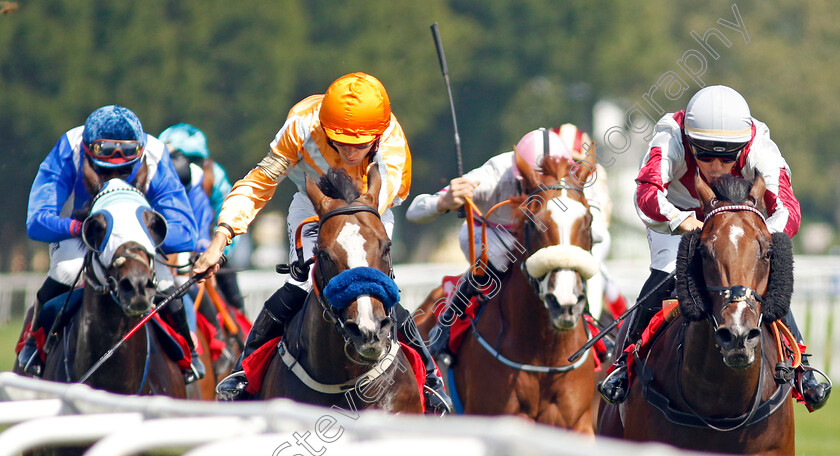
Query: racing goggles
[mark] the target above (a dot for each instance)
(707, 151)
(114, 151)
(355, 146)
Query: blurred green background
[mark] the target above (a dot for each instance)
(235, 68)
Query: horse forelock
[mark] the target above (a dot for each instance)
(337, 184)
(731, 189)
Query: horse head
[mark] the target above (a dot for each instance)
(353, 261)
(555, 228)
(733, 272)
(121, 234)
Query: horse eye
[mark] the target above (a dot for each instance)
(768, 253)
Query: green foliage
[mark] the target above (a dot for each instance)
(234, 70)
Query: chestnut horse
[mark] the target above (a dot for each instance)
(514, 361)
(707, 381)
(345, 354)
(121, 235)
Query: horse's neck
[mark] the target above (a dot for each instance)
(525, 319)
(320, 348)
(706, 381)
(99, 325)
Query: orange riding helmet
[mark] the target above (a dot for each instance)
(355, 109)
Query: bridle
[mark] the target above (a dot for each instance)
(735, 293)
(299, 270)
(108, 284)
(535, 281)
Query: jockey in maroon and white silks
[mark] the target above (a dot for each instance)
(715, 135)
(665, 195)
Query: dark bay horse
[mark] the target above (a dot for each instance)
(707, 381)
(515, 359)
(345, 354)
(121, 234)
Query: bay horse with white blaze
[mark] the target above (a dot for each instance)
(342, 350)
(515, 359)
(706, 382)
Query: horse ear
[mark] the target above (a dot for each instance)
(156, 225)
(142, 178)
(374, 185)
(91, 178)
(93, 231)
(757, 192)
(528, 174)
(319, 200)
(703, 191)
(584, 169)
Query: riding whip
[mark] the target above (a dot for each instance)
(618, 320)
(445, 71)
(180, 291)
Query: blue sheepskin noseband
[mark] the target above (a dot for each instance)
(344, 288)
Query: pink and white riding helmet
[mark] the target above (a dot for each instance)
(538, 144)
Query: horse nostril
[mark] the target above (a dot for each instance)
(125, 286)
(724, 337)
(353, 329)
(385, 324)
(753, 334)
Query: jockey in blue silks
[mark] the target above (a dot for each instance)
(192, 144)
(112, 143)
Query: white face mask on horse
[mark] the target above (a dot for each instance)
(128, 218)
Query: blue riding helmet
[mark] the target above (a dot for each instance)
(188, 139)
(113, 137)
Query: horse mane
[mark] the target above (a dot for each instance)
(731, 189)
(337, 184)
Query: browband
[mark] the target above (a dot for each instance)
(348, 210)
(734, 209)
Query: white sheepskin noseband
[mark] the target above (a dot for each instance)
(573, 257)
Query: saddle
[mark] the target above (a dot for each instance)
(173, 344)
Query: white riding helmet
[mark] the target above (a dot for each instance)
(718, 114)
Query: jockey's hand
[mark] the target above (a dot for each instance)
(689, 224)
(209, 260)
(459, 188)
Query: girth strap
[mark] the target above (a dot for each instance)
(378, 369)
